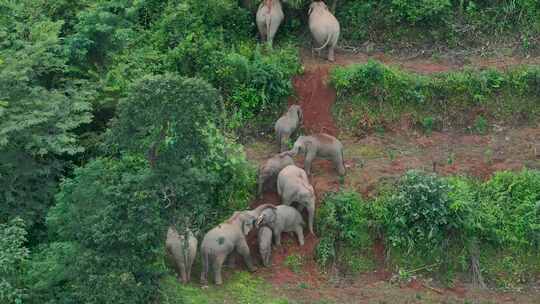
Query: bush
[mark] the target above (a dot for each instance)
(13, 255)
(387, 92)
(343, 221)
(255, 86)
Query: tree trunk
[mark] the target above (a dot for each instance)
(474, 251)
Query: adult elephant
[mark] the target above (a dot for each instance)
(287, 124)
(293, 187)
(181, 253)
(227, 237)
(319, 145)
(324, 27)
(269, 17)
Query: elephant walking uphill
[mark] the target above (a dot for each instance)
(227, 237)
(293, 187)
(269, 17)
(180, 253)
(324, 27)
(271, 168)
(319, 145)
(287, 124)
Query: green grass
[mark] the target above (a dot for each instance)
(242, 288)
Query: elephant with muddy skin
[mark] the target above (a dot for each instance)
(227, 237)
(181, 253)
(269, 17)
(287, 124)
(324, 27)
(293, 187)
(283, 219)
(319, 145)
(271, 168)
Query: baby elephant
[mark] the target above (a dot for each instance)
(287, 124)
(264, 236)
(293, 186)
(181, 254)
(324, 27)
(283, 219)
(269, 17)
(271, 169)
(319, 145)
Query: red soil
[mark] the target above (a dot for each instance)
(316, 99)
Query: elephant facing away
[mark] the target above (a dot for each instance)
(287, 124)
(180, 253)
(271, 169)
(227, 237)
(324, 27)
(264, 238)
(269, 17)
(319, 145)
(283, 219)
(293, 187)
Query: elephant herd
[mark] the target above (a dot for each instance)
(323, 25)
(294, 189)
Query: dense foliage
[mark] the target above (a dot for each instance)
(434, 223)
(13, 254)
(385, 93)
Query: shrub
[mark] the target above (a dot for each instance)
(13, 255)
(342, 221)
(374, 89)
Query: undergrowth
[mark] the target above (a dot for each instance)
(374, 95)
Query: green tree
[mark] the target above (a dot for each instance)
(13, 254)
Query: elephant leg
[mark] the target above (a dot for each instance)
(331, 56)
(189, 270)
(277, 237)
(243, 250)
(183, 272)
(300, 234)
(339, 163)
(284, 141)
(311, 215)
(261, 181)
(205, 265)
(310, 156)
(217, 265)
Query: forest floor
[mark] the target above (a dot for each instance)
(375, 158)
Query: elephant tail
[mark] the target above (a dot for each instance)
(325, 44)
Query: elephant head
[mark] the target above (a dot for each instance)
(244, 220)
(303, 143)
(298, 111)
(267, 217)
(317, 5)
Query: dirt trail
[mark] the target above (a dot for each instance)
(316, 99)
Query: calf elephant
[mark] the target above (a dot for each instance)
(287, 124)
(271, 169)
(319, 145)
(180, 253)
(324, 27)
(283, 219)
(264, 237)
(293, 187)
(227, 237)
(269, 17)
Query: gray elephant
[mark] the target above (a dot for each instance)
(227, 237)
(181, 254)
(283, 219)
(271, 169)
(293, 187)
(287, 124)
(269, 17)
(319, 145)
(324, 27)
(264, 238)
